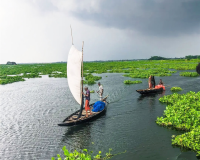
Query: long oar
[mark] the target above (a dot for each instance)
(104, 99)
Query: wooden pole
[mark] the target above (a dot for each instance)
(82, 75)
(71, 35)
(82, 101)
(82, 59)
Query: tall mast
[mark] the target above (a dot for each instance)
(71, 35)
(82, 76)
(82, 98)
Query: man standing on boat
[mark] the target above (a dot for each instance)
(100, 92)
(153, 82)
(150, 84)
(87, 100)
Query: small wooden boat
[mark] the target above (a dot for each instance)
(149, 91)
(72, 119)
(75, 83)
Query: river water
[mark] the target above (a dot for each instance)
(31, 110)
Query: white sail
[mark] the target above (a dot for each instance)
(74, 72)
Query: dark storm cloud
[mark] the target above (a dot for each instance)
(155, 17)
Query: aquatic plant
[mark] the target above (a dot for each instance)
(10, 79)
(134, 69)
(131, 82)
(90, 76)
(141, 73)
(189, 74)
(58, 75)
(89, 82)
(176, 89)
(92, 91)
(183, 113)
(189, 140)
(31, 75)
(84, 155)
(90, 79)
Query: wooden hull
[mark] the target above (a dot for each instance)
(149, 91)
(70, 121)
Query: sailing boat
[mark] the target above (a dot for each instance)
(75, 82)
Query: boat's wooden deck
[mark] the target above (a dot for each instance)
(73, 117)
(148, 89)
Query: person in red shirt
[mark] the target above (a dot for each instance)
(160, 85)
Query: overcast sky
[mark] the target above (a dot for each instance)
(39, 30)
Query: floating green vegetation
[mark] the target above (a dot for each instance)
(90, 79)
(183, 113)
(84, 155)
(141, 73)
(31, 75)
(134, 69)
(10, 79)
(189, 74)
(189, 140)
(131, 82)
(92, 91)
(176, 89)
(58, 75)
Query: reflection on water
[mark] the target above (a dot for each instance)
(31, 110)
(79, 136)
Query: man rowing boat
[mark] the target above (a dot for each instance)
(161, 82)
(160, 85)
(100, 92)
(150, 82)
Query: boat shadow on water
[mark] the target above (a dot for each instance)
(76, 137)
(74, 130)
(79, 136)
(152, 95)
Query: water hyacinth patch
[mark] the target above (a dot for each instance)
(189, 74)
(58, 75)
(31, 75)
(176, 89)
(92, 91)
(189, 140)
(141, 73)
(84, 155)
(131, 82)
(9, 79)
(183, 113)
(134, 69)
(90, 79)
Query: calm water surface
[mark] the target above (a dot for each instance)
(31, 110)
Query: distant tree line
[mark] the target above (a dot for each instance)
(157, 58)
(192, 57)
(186, 57)
(11, 63)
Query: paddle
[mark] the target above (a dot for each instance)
(104, 99)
